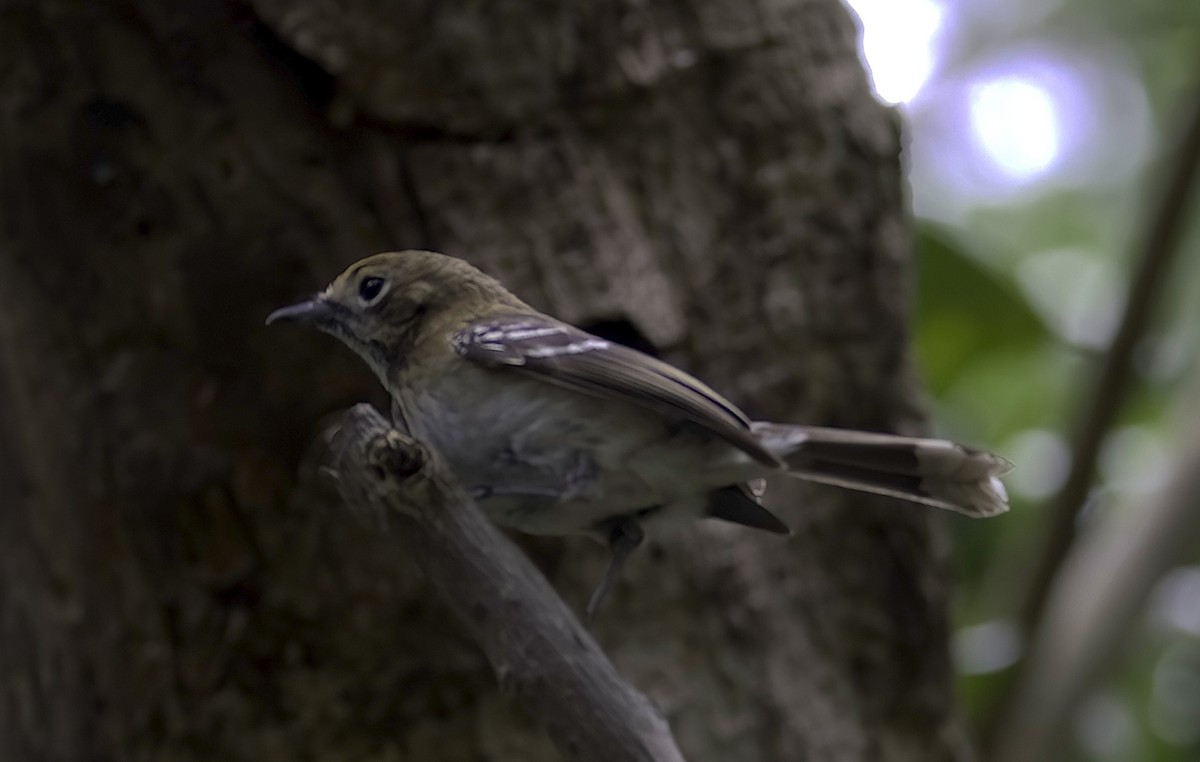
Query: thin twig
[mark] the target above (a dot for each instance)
(1085, 623)
(1155, 254)
(537, 647)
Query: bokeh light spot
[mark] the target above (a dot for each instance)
(987, 647)
(1105, 727)
(1042, 459)
(1175, 603)
(1134, 459)
(1016, 124)
(1076, 290)
(899, 44)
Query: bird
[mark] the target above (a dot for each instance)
(556, 431)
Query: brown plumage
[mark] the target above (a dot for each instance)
(557, 431)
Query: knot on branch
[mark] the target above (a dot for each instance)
(374, 465)
(394, 457)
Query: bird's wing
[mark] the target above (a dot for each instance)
(544, 348)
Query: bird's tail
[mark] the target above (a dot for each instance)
(930, 471)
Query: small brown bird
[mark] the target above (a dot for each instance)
(557, 431)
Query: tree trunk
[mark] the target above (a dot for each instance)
(177, 582)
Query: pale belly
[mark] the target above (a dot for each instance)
(546, 460)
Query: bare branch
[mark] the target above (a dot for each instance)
(537, 647)
(1155, 254)
(1086, 622)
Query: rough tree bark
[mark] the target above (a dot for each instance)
(714, 172)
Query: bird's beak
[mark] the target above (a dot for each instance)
(315, 310)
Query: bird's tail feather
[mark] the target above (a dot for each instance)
(933, 472)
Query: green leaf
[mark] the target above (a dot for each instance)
(965, 310)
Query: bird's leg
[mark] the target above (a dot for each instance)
(624, 535)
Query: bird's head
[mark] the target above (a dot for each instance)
(382, 305)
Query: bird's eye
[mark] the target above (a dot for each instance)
(370, 288)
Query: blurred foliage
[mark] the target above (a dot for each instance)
(1017, 297)
(964, 304)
